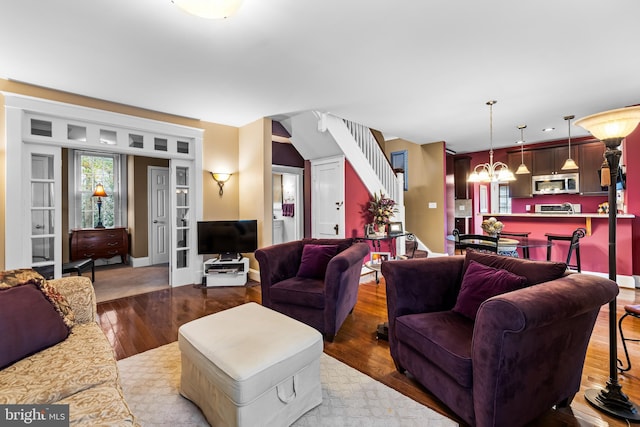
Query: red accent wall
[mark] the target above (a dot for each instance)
(631, 154)
(356, 204)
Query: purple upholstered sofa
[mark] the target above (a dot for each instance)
(322, 302)
(522, 355)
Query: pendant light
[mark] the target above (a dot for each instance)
(522, 169)
(569, 163)
(491, 172)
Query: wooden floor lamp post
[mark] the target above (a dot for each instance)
(611, 127)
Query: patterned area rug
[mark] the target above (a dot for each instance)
(150, 382)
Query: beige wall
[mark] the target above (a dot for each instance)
(138, 203)
(426, 184)
(255, 179)
(220, 148)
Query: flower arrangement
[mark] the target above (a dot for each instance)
(382, 209)
(492, 226)
(603, 208)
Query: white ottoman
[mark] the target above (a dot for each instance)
(250, 366)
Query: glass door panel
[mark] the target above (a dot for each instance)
(42, 179)
(182, 183)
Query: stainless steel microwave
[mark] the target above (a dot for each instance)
(562, 183)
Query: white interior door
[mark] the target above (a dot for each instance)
(159, 215)
(327, 198)
(183, 226)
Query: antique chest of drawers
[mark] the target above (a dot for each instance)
(97, 243)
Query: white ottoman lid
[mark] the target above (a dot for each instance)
(256, 347)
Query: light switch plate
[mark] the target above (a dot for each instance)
(433, 205)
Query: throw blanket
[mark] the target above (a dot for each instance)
(287, 209)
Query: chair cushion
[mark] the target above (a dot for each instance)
(442, 337)
(28, 323)
(315, 259)
(534, 271)
(299, 291)
(480, 283)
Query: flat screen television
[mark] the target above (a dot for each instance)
(227, 238)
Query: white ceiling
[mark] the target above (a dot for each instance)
(417, 69)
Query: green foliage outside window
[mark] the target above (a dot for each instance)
(94, 170)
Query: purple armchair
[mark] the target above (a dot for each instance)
(523, 354)
(323, 302)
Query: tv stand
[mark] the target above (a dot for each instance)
(221, 272)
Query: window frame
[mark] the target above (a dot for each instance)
(118, 193)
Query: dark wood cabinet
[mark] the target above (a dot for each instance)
(591, 157)
(521, 187)
(549, 161)
(98, 243)
(461, 167)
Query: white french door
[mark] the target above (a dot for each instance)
(42, 170)
(183, 258)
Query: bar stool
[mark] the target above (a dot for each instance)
(524, 235)
(574, 239)
(634, 311)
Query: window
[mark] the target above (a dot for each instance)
(504, 199)
(92, 169)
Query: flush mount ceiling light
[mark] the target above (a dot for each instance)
(569, 163)
(522, 169)
(209, 9)
(491, 172)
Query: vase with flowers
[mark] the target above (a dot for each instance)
(492, 226)
(382, 209)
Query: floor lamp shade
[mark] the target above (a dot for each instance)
(611, 127)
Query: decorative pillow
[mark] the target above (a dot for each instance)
(315, 259)
(480, 283)
(13, 278)
(535, 271)
(28, 323)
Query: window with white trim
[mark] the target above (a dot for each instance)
(91, 169)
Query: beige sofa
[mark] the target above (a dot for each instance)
(80, 371)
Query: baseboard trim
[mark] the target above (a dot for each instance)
(139, 262)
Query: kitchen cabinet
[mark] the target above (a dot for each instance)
(521, 187)
(461, 167)
(549, 161)
(591, 157)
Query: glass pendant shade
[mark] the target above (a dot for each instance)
(612, 124)
(209, 9)
(569, 163)
(522, 169)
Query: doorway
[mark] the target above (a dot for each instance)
(158, 181)
(288, 205)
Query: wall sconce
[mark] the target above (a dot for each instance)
(221, 178)
(99, 193)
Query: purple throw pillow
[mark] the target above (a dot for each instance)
(480, 283)
(28, 323)
(315, 259)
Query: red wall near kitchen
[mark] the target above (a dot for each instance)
(356, 203)
(631, 154)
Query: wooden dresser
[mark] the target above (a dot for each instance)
(97, 243)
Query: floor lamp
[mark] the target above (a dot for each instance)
(611, 127)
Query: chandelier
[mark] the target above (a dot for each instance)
(491, 172)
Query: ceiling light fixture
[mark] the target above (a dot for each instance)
(209, 9)
(569, 163)
(491, 172)
(611, 127)
(522, 169)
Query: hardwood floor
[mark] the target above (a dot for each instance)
(139, 323)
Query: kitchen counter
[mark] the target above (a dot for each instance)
(593, 247)
(557, 215)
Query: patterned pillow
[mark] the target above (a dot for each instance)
(13, 278)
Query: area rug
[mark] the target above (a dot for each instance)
(150, 381)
